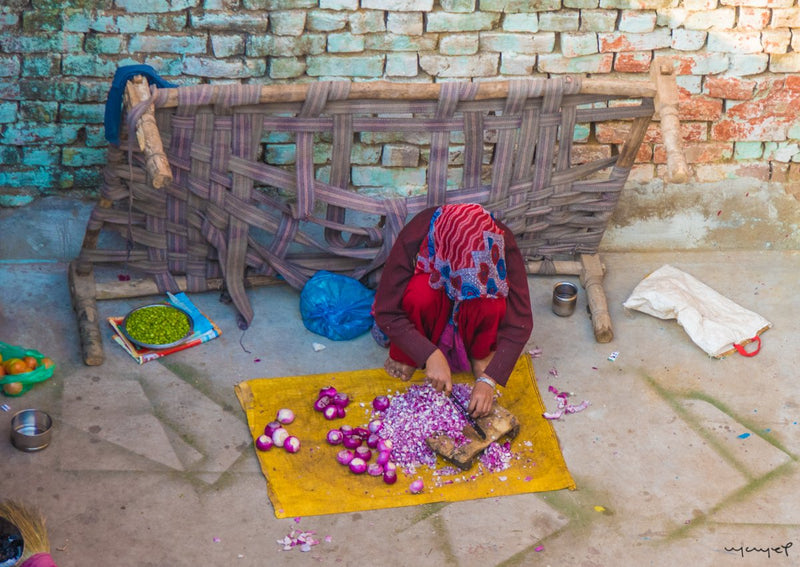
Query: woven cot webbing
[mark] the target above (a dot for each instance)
(233, 210)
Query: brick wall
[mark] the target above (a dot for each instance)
(739, 66)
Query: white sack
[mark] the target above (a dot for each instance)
(714, 323)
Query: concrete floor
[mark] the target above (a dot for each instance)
(152, 465)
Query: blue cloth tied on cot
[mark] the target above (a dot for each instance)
(113, 113)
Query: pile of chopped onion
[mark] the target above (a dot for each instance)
(496, 457)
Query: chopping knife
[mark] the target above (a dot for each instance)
(471, 420)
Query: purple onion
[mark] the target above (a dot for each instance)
(328, 391)
(383, 457)
(372, 441)
(270, 428)
(357, 465)
(285, 416)
(381, 403)
(384, 444)
(340, 399)
(416, 486)
(321, 403)
(390, 466)
(351, 441)
(346, 429)
(330, 412)
(344, 456)
(375, 425)
(340, 412)
(374, 469)
(389, 476)
(361, 432)
(363, 453)
(292, 444)
(335, 437)
(279, 436)
(264, 443)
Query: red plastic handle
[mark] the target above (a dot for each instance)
(741, 350)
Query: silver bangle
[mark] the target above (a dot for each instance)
(487, 380)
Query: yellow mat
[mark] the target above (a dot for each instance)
(311, 482)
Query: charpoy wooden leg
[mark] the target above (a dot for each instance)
(82, 291)
(592, 280)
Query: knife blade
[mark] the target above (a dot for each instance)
(471, 420)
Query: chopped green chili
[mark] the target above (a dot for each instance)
(157, 325)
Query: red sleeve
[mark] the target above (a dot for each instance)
(517, 325)
(397, 272)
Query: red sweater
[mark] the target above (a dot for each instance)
(513, 333)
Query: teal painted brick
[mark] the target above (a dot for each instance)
(8, 112)
(793, 133)
(9, 155)
(319, 20)
(404, 23)
(563, 20)
(287, 22)
(517, 42)
(39, 177)
(581, 133)
(395, 155)
(47, 157)
(41, 65)
(286, 46)
(344, 66)
(41, 43)
(390, 42)
(89, 179)
(82, 113)
(457, 5)
(748, 150)
(10, 90)
(170, 68)
(184, 44)
(95, 136)
(516, 64)
(281, 154)
(81, 21)
(415, 138)
(278, 4)
(350, 5)
(166, 22)
(519, 6)
(131, 24)
(445, 22)
(9, 66)
(345, 43)
(82, 157)
(362, 154)
(286, 67)
(398, 5)
(36, 111)
(369, 176)
(460, 66)
(582, 4)
(252, 22)
(47, 89)
(88, 66)
(9, 20)
(521, 23)
(401, 65)
(227, 45)
(104, 44)
(598, 20)
(459, 44)
(42, 20)
(575, 44)
(58, 134)
(155, 6)
(93, 91)
(371, 21)
(557, 63)
(278, 138)
(209, 67)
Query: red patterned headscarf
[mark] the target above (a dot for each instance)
(464, 253)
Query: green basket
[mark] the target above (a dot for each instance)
(28, 379)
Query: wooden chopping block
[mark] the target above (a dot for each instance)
(498, 423)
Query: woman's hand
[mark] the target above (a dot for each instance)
(437, 371)
(481, 400)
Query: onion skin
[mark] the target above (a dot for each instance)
(416, 486)
(358, 465)
(264, 443)
(381, 403)
(270, 428)
(279, 436)
(291, 444)
(335, 437)
(285, 416)
(344, 456)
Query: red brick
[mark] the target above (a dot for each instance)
(699, 152)
(645, 154)
(730, 88)
(584, 153)
(633, 62)
(764, 117)
(690, 132)
(793, 82)
(700, 107)
(612, 132)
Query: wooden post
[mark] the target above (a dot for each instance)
(82, 292)
(662, 74)
(592, 281)
(136, 91)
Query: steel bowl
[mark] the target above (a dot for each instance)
(31, 430)
(124, 327)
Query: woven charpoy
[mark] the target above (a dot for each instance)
(229, 213)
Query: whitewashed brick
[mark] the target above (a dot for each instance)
(598, 20)
(753, 18)
(325, 21)
(481, 65)
(521, 23)
(367, 22)
(785, 18)
(688, 40)
(338, 4)
(543, 42)
(582, 4)
(776, 41)
(734, 42)
(287, 22)
(459, 44)
(557, 63)
(723, 18)
(517, 64)
(672, 17)
(699, 5)
(746, 64)
(404, 23)
(575, 44)
(401, 65)
(785, 63)
(693, 84)
(563, 20)
(637, 21)
(398, 5)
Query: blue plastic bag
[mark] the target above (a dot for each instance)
(336, 306)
